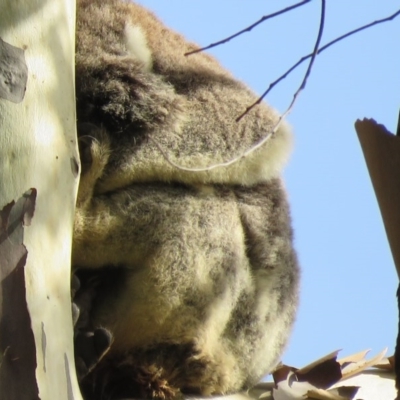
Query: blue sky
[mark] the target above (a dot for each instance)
(348, 277)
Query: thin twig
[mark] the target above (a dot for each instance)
(249, 28)
(306, 75)
(292, 68)
(270, 134)
(265, 139)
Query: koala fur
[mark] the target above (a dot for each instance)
(203, 281)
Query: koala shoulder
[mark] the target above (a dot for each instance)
(133, 78)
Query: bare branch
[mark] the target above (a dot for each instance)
(249, 28)
(266, 138)
(361, 28)
(292, 68)
(306, 75)
(312, 55)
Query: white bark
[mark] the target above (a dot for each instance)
(38, 150)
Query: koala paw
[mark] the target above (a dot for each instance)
(90, 344)
(90, 348)
(94, 150)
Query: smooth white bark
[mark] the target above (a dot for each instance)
(38, 150)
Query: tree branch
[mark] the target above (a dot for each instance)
(313, 55)
(249, 28)
(266, 138)
(317, 50)
(292, 68)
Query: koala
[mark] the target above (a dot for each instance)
(196, 273)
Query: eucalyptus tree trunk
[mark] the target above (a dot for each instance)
(39, 173)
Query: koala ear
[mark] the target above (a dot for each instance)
(115, 86)
(136, 45)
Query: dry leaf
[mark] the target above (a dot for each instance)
(354, 357)
(321, 394)
(291, 389)
(316, 380)
(340, 393)
(387, 364)
(323, 375)
(281, 373)
(356, 368)
(329, 356)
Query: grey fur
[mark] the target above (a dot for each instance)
(210, 276)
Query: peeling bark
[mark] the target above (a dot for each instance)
(38, 149)
(17, 344)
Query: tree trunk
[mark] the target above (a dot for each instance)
(39, 173)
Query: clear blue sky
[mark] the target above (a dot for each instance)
(348, 281)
